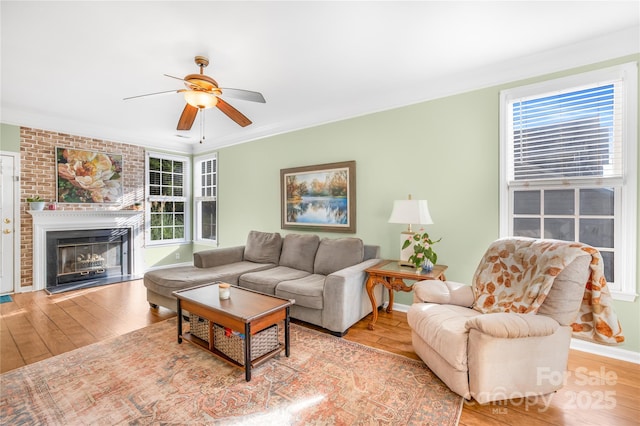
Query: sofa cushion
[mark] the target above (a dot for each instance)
(307, 291)
(263, 247)
(164, 281)
(336, 254)
(299, 251)
(443, 328)
(267, 280)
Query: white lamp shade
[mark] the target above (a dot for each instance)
(410, 212)
(200, 99)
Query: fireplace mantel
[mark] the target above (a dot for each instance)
(62, 220)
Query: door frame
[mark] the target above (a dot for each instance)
(17, 222)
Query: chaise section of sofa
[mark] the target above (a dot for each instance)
(261, 252)
(325, 277)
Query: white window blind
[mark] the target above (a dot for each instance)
(569, 134)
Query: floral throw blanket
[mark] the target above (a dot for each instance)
(516, 275)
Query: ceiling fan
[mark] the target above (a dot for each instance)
(202, 92)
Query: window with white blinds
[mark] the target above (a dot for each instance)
(569, 165)
(575, 133)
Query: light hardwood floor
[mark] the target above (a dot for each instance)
(35, 326)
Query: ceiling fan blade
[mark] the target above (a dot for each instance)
(187, 118)
(166, 92)
(245, 95)
(233, 113)
(192, 83)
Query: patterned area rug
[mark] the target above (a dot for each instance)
(145, 377)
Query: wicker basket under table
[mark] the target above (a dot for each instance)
(233, 346)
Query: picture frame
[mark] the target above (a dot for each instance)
(320, 197)
(84, 176)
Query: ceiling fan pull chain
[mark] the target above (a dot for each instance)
(201, 125)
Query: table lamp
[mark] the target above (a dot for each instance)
(411, 212)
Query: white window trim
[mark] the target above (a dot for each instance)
(187, 196)
(627, 234)
(197, 198)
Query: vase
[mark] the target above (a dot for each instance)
(427, 266)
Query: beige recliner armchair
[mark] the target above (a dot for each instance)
(508, 334)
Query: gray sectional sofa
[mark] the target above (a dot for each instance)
(325, 277)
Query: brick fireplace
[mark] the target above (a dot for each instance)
(38, 177)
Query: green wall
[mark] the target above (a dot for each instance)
(9, 138)
(444, 150)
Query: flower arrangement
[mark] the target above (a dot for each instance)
(422, 248)
(34, 199)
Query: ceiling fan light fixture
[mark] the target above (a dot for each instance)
(200, 99)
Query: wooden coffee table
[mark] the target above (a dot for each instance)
(391, 274)
(245, 311)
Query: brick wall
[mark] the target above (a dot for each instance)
(38, 177)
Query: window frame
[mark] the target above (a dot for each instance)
(625, 222)
(185, 198)
(197, 199)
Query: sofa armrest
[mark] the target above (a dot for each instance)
(343, 296)
(510, 325)
(217, 257)
(443, 293)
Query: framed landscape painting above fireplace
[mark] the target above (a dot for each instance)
(88, 176)
(321, 197)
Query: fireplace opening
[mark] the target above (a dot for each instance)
(87, 258)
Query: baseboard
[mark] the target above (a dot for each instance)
(577, 344)
(605, 350)
(397, 307)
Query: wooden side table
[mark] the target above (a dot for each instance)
(391, 275)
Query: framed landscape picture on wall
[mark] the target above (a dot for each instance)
(88, 176)
(321, 197)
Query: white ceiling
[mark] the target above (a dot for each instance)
(66, 66)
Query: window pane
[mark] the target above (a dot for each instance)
(607, 260)
(178, 167)
(597, 201)
(167, 233)
(179, 232)
(526, 202)
(156, 234)
(559, 202)
(560, 229)
(526, 227)
(154, 164)
(597, 232)
(156, 219)
(167, 220)
(154, 178)
(208, 219)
